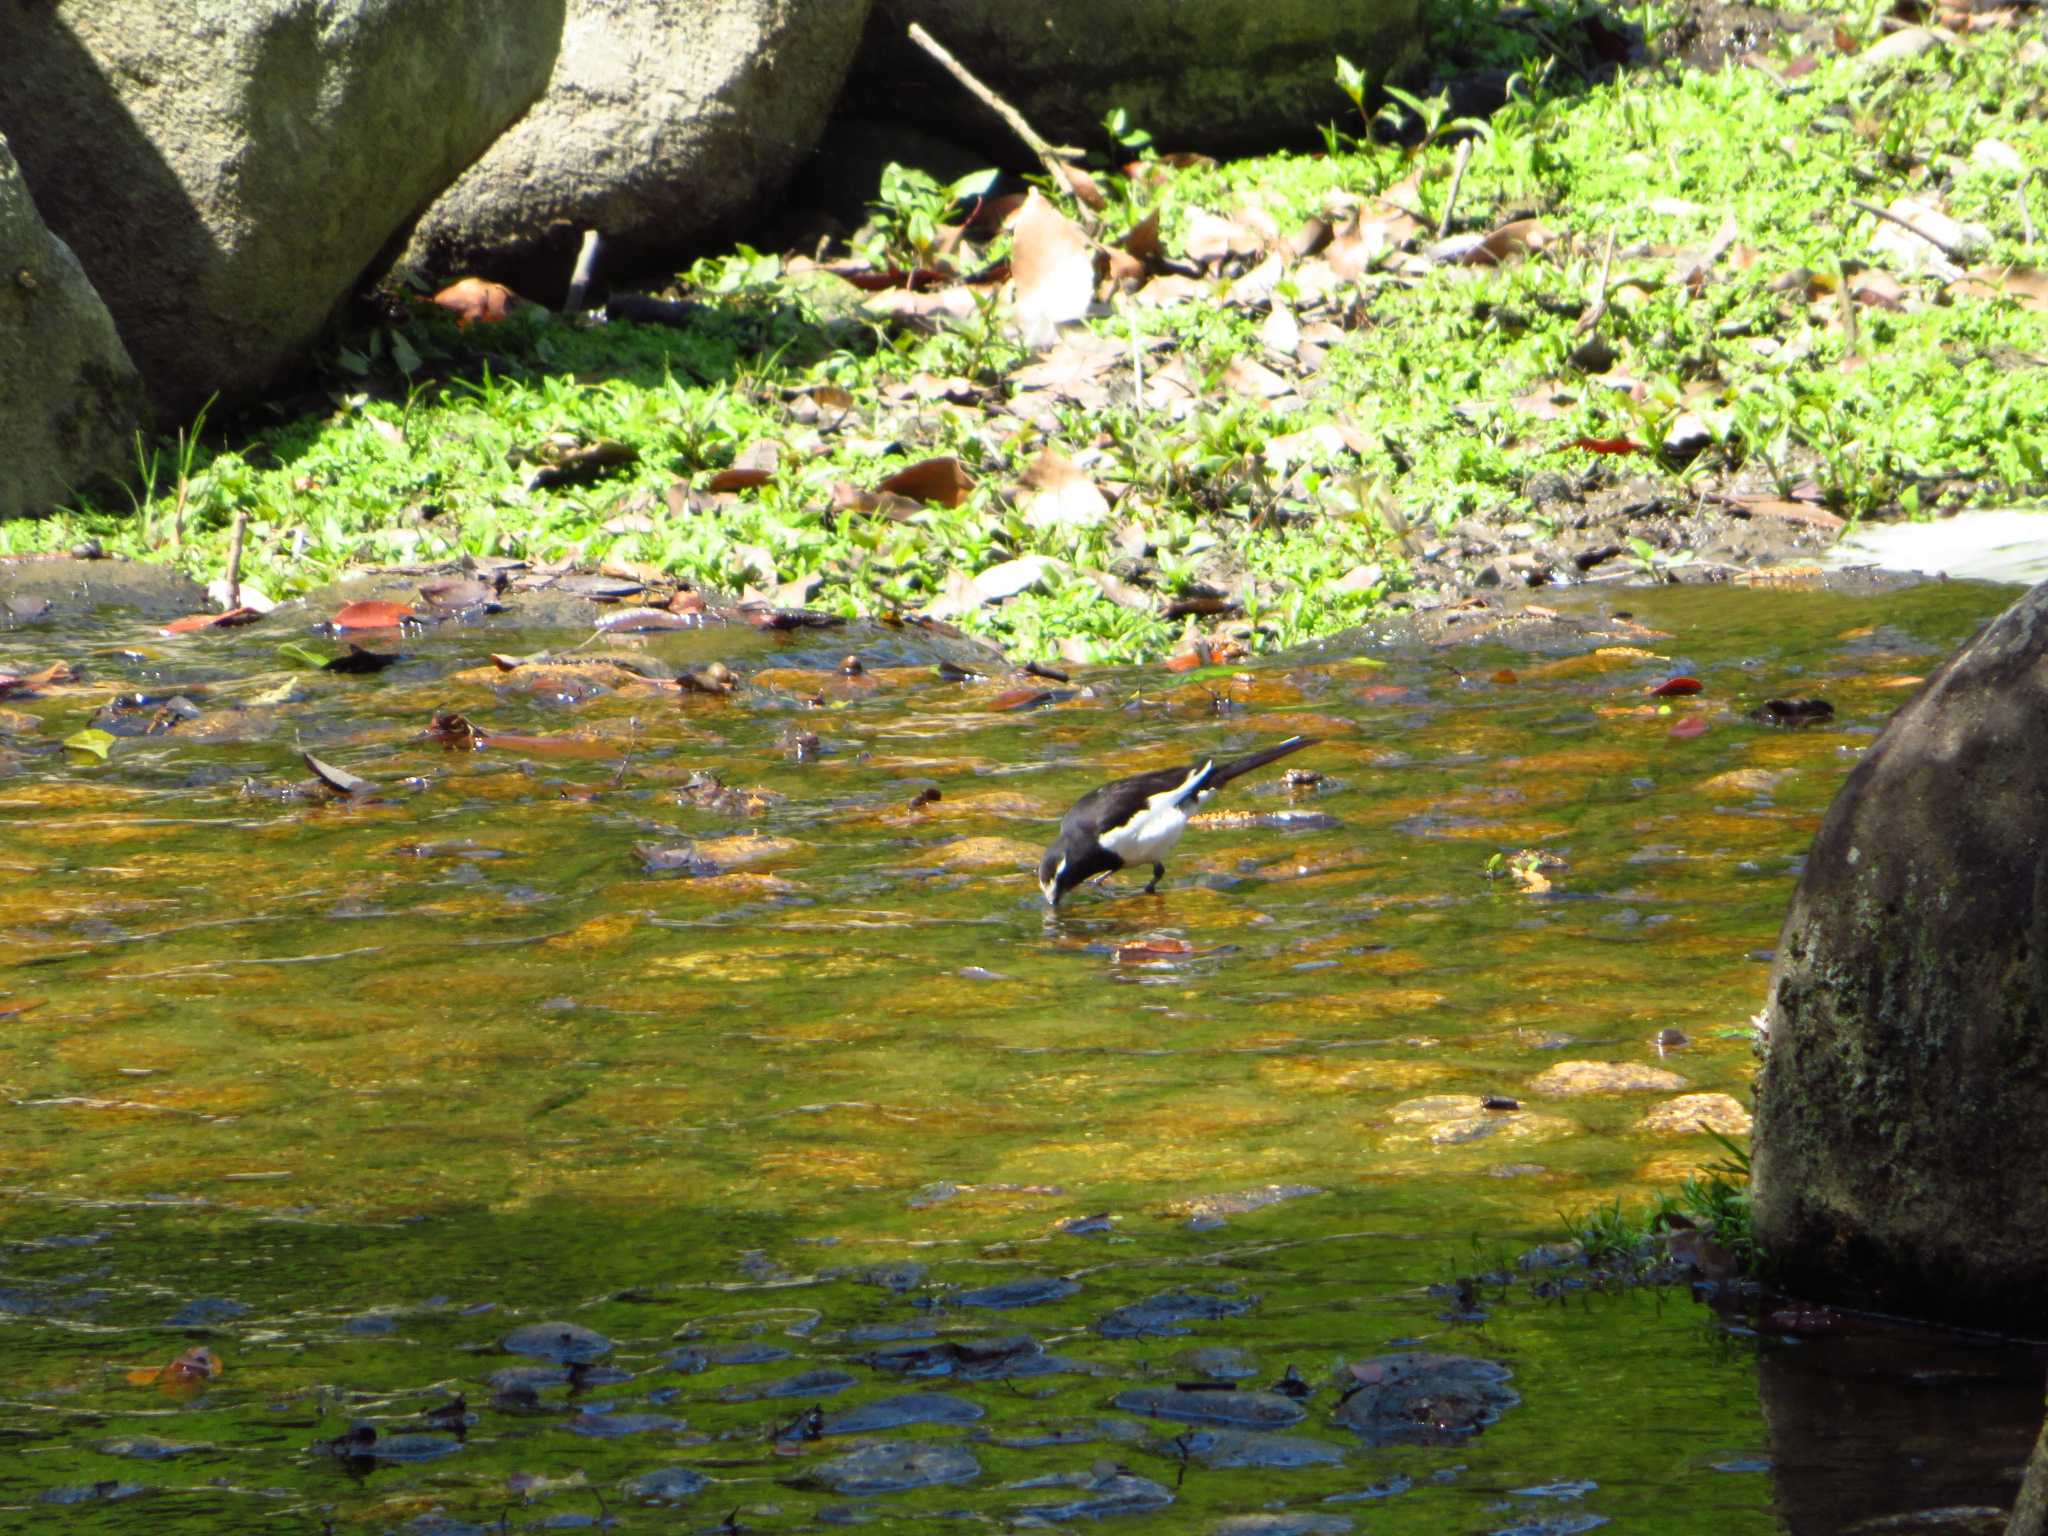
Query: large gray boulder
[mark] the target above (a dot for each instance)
(70, 400)
(1219, 75)
(1900, 1154)
(665, 126)
(226, 172)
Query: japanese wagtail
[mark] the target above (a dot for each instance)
(1138, 820)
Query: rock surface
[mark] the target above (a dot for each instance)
(226, 173)
(70, 400)
(1218, 76)
(664, 126)
(1898, 1155)
(1691, 1114)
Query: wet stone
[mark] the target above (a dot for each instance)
(1425, 1399)
(202, 1310)
(1162, 1316)
(1694, 1114)
(804, 1384)
(745, 1354)
(896, 1412)
(84, 1493)
(969, 1359)
(412, 1447)
(686, 1361)
(1231, 1410)
(1034, 1291)
(1085, 1432)
(148, 1447)
(1282, 1524)
(664, 1485)
(898, 1277)
(895, 1466)
(1219, 1363)
(1222, 1449)
(616, 1426)
(568, 1343)
(1100, 1498)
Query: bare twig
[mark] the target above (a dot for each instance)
(1443, 225)
(234, 595)
(1052, 158)
(1846, 298)
(586, 268)
(2026, 213)
(1949, 248)
(1590, 320)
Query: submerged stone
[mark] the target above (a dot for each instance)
(1282, 1524)
(83, 1493)
(569, 1343)
(1220, 1364)
(1034, 1291)
(1222, 1449)
(614, 1426)
(895, 1466)
(148, 1447)
(665, 1484)
(819, 1383)
(1161, 1316)
(1575, 1079)
(1100, 1498)
(1232, 1410)
(969, 1359)
(896, 1412)
(1695, 1114)
(1425, 1399)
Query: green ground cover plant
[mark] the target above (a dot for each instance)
(1662, 275)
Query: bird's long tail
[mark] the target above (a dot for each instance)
(1223, 773)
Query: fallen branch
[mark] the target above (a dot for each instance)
(235, 561)
(1590, 320)
(586, 268)
(1443, 225)
(1053, 159)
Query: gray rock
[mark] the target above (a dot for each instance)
(70, 400)
(895, 1466)
(1221, 1449)
(1283, 1524)
(665, 1484)
(1898, 1157)
(896, 1412)
(1122, 1493)
(1221, 75)
(663, 125)
(225, 174)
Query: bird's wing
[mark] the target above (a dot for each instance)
(1116, 802)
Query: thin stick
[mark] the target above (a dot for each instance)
(235, 560)
(586, 268)
(1848, 308)
(1590, 320)
(2026, 213)
(1443, 225)
(1948, 248)
(1048, 156)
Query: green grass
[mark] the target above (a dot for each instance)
(404, 456)
(1714, 1201)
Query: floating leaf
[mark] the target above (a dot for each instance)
(371, 614)
(302, 656)
(93, 741)
(1674, 687)
(339, 780)
(197, 621)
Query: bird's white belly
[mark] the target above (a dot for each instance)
(1146, 838)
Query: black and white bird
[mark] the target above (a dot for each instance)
(1138, 820)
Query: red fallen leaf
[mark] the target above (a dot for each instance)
(943, 480)
(1142, 238)
(371, 614)
(1139, 950)
(1606, 444)
(506, 663)
(1382, 693)
(1845, 42)
(1800, 67)
(29, 682)
(1082, 185)
(872, 280)
(197, 1364)
(739, 480)
(228, 620)
(1506, 675)
(1690, 727)
(477, 301)
(14, 1010)
(1196, 655)
(1674, 687)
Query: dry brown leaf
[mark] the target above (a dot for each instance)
(476, 301)
(1052, 263)
(943, 480)
(1061, 494)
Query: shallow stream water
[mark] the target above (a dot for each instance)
(786, 1089)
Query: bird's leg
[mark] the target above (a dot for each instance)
(1158, 874)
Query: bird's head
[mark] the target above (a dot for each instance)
(1052, 875)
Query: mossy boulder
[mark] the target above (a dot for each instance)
(1900, 1160)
